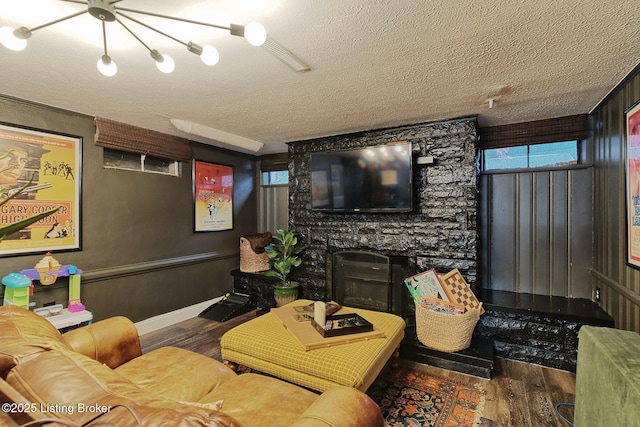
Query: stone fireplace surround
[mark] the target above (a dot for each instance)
(441, 231)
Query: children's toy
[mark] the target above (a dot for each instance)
(17, 290)
(48, 269)
(74, 290)
(71, 271)
(50, 310)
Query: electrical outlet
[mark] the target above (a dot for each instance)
(598, 294)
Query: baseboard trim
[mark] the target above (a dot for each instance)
(167, 319)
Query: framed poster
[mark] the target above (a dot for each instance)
(40, 172)
(632, 116)
(212, 196)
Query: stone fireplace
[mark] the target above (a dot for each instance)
(370, 280)
(441, 231)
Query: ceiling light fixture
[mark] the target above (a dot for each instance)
(107, 11)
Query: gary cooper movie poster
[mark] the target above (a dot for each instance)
(48, 166)
(213, 196)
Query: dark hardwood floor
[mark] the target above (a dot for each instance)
(519, 394)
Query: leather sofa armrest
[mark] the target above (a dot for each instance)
(342, 406)
(112, 341)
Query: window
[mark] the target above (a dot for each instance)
(272, 178)
(553, 154)
(116, 159)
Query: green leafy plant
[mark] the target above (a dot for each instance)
(19, 225)
(282, 253)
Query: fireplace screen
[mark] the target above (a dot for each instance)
(369, 280)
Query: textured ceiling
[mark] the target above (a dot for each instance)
(374, 63)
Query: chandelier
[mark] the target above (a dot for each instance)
(107, 11)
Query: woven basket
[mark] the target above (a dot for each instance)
(250, 261)
(445, 332)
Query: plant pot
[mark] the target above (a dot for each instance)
(285, 294)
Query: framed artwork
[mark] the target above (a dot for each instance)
(40, 177)
(632, 119)
(212, 196)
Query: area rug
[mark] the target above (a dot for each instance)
(410, 396)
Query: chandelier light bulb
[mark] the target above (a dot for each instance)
(165, 63)
(210, 55)
(106, 66)
(255, 33)
(10, 41)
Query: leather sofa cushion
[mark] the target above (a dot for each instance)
(24, 335)
(258, 400)
(99, 340)
(64, 383)
(176, 373)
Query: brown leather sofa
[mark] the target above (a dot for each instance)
(99, 370)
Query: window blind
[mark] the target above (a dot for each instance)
(133, 139)
(274, 162)
(568, 128)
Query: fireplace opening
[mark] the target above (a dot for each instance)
(371, 281)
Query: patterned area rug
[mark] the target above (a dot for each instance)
(409, 396)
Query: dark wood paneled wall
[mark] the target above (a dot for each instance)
(619, 283)
(535, 231)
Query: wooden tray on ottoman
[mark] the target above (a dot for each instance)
(343, 324)
(310, 339)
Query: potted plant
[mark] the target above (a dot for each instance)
(283, 257)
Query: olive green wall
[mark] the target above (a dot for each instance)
(140, 257)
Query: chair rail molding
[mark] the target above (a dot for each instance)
(627, 293)
(155, 265)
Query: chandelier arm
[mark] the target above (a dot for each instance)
(104, 38)
(151, 28)
(188, 21)
(134, 35)
(75, 1)
(56, 21)
(84, 2)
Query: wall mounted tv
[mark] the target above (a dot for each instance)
(368, 179)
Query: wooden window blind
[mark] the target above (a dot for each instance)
(133, 139)
(274, 162)
(568, 128)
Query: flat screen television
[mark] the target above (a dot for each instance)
(369, 179)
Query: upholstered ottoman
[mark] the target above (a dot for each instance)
(266, 345)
